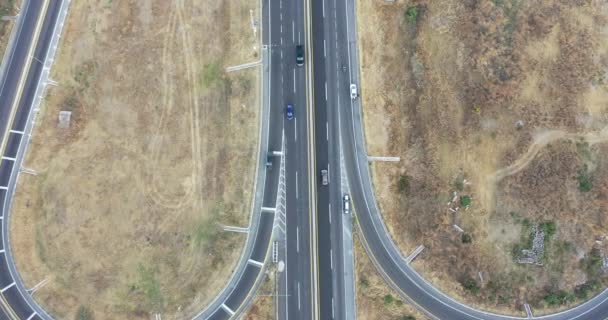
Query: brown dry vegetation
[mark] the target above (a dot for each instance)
(262, 307)
(375, 299)
(124, 214)
(444, 92)
(7, 8)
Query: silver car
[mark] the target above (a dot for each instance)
(324, 177)
(353, 91)
(346, 204)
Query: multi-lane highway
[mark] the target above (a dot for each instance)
(290, 203)
(287, 30)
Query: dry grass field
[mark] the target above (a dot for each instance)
(498, 111)
(7, 8)
(124, 215)
(375, 299)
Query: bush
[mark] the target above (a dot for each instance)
(363, 282)
(592, 263)
(388, 299)
(83, 313)
(465, 201)
(584, 183)
(408, 318)
(582, 291)
(560, 297)
(411, 14)
(470, 285)
(404, 184)
(548, 228)
(466, 238)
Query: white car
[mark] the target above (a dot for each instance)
(353, 91)
(346, 201)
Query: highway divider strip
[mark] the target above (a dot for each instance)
(312, 181)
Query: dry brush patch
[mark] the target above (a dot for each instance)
(375, 299)
(124, 214)
(497, 111)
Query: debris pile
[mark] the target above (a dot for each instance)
(534, 255)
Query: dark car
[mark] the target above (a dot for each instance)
(300, 55)
(289, 112)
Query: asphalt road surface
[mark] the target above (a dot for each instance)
(294, 299)
(331, 84)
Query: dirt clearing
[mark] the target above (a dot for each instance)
(124, 215)
(497, 109)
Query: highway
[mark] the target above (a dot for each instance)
(287, 29)
(331, 84)
(287, 193)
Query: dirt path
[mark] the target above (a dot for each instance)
(541, 140)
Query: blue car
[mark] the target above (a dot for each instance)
(289, 112)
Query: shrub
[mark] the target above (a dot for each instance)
(548, 228)
(560, 297)
(83, 313)
(363, 282)
(388, 299)
(582, 291)
(404, 184)
(584, 183)
(470, 285)
(411, 14)
(408, 318)
(466, 238)
(465, 201)
(592, 263)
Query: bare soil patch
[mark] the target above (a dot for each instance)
(124, 215)
(497, 110)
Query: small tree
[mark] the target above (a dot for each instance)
(466, 238)
(465, 201)
(388, 299)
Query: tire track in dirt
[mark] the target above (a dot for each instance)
(177, 26)
(541, 140)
